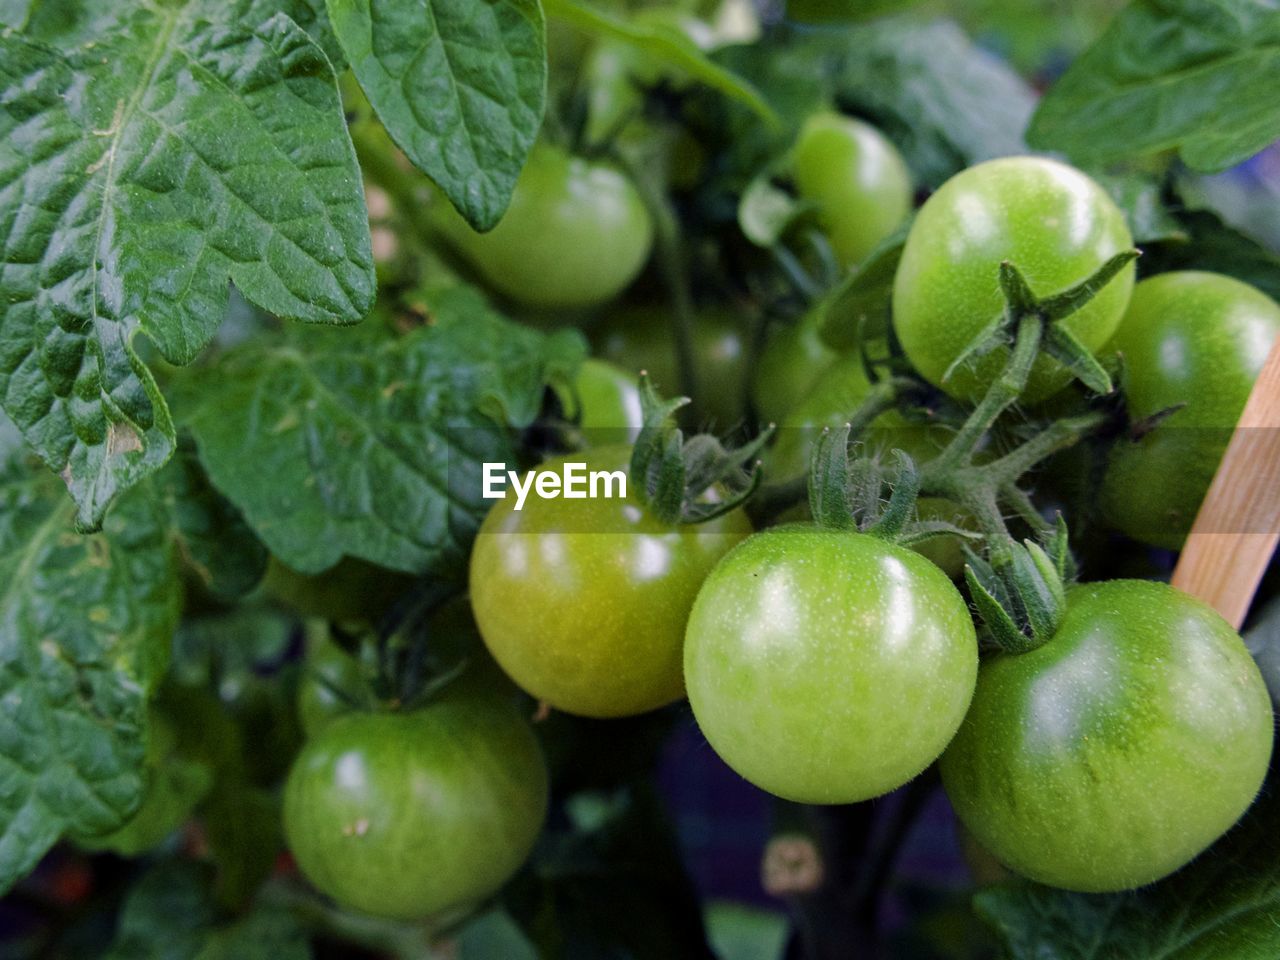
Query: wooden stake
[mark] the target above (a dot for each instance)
(1238, 525)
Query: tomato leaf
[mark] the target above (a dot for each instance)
(217, 546)
(1209, 244)
(857, 308)
(170, 913)
(668, 46)
(1221, 907)
(1139, 198)
(460, 86)
(946, 103)
(84, 638)
(1198, 76)
(125, 209)
(372, 448)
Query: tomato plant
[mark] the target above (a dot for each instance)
(892, 352)
(415, 814)
(1191, 343)
(1058, 225)
(1120, 749)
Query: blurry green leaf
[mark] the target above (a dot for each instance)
(668, 45)
(1140, 200)
(460, 86)
(1223, 906)
(944, 101)
(1263, 640)
(368, 446)
(745, 933)
(857, 308)
(1209, 244)
(169, 915)
(618, 890)
(1198, 76)
(491, 935)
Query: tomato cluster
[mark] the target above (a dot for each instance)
(827, 664)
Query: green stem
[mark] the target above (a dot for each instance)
(669, 249)
(776, 498)
(1002, 394)
(408, 190)
(1021, 504)
(1056, 436)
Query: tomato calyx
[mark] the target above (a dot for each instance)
(1045, 314)
(694, 480)
(1021, 592)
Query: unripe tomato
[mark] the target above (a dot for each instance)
(641, 337)
(1050, 220)
(332, 685)
(1192, 338)
(1120, 749)
(584, 602)
(417, 814)
(827, 666)
(857, 179)
(610, 399)
(794, 358)
(575, 235)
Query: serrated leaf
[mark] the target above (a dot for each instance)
(126, 207)
(945, 102)
(337, 445)
(85, 625)
(175, 784)
(459, 84)
(1198, 76)
(668, 46)
(1223, 906)
(1212, 245)
(65, 22)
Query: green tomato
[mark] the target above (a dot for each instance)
(794, 358)
(575, 235)
(610, 399)
(1191, 338)
(641, 337)
(856, 178)
(826, 666)
(333, 683)
(584, 602)
(417, 814)
(1050, 220)
(1120, 749)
